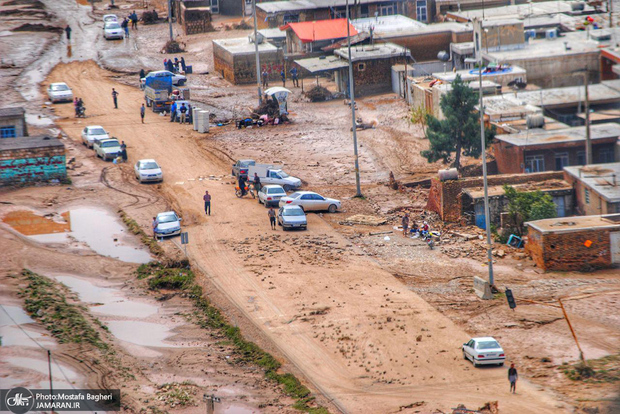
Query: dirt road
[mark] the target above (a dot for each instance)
(351, 327)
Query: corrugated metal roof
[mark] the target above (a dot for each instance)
(320, 30)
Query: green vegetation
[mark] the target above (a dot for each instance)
(418, 115)
(135, 228)
(459, 132)
(180, 277)
(596, 371)
(45, 302)
(177, 394)
(528, 206)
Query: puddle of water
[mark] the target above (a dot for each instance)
(39, 120)
(114, 304)
(41, 366)
(102, 231)
(141, 333)
(13, 336)
(18, 314)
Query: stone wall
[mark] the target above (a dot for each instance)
(27, 165)
(241, 69)
(374, 75)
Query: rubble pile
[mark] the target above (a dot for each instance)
(318, 94)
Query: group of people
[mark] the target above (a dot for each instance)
(78, 105)
(184, 113)
(173, 66)
(133, 19)
(122, 154)
(415, 229)
(294, 77)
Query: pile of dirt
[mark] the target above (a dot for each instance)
(242, 25)
(172, 46)
(318, 94)
(364, 220)
(150, 17)
(28, 27)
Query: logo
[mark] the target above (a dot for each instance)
(19, 400)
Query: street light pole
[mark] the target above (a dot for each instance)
(358, 190)
(587, 119)
(260, 95)
(170, 19)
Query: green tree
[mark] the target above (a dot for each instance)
(459, 132)
(528, 206)
(418, 116)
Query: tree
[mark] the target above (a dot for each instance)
(459, 132)
(418, 116)
(528, 206)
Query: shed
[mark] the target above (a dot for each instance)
(13, 122)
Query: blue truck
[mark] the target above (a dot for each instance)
(157, 88)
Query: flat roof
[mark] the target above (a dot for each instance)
(242, 46)
(572, 224)
(16, 111)
(430, 29)
(387, 24)
(498, 190)
(37, 141)
(322, 64)
(519, 11)
(274, 33)
(537, 137)
(376, 51)
(299, 5)
(469, 75)
(604, 179)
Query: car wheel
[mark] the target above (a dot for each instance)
(332, 208)
(287, 188)
(501, 364)
(475, 363)
(465, 356)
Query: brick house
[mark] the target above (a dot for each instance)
(235, 59)
(32, 159)
(13, 123)
(597, 188)
(194, 16)
(307, 37)
(538, 150)
(577, 243)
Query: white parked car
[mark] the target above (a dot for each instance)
(107, 149)
(168, 224)
(59, 92)
(148, 170)
(113, 30)
(177, 79)
(484, 351)
(292, 217)
(270, 195)
(310, 201)
(92, 133)
(110, 18)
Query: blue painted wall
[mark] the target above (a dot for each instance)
(25, 170)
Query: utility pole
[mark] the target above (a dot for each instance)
(260, 95)
(610, 10)
(358, 190)
(170, 19)
(587, 118)
(49, 368)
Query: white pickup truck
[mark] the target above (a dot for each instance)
(271, 174)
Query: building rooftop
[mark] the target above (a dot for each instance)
(498, 190)
(604, 179)
(274, 33)
(535, 137)
(513, 126)
(12, 112)
(322, 64)
(38, 141)
(321, 30)
(469, 75)
(376, 51)
(571, 224)
(300, 5)
(521, 11)
(383, 25)
(242, 46)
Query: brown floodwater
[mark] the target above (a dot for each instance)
(30, 224)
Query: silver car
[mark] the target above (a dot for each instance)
(107, 149)
(270, 195)
(484, 351)
(113, 30)
(59, 92)
(310, 201)
(167, 224)
(148, 170)
(92, 133)
(292, 217)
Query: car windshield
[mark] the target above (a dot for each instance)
(110, 18)
(295, 195)
(60, 88)
(275, 191)
(488, 345)
(151, 165)
(293, 212)
(96, 131)
(282, 174)
(167, 218)
(112, 25)
(108, 144)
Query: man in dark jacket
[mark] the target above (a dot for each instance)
(68, 32)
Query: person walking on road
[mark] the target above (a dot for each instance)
(183, 65)
(295, 78)
(256, 183)
(125, 26)
(142, 110)
(265, 76)
(272, 218)
(173, 112)
(115, 98)
(134, 20)
(183, 110)
(513, 377)
(154, 225)
(283, 75)
(123, 151)
(405, 223)
(68, 32)
(207, 199)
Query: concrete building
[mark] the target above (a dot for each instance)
(13, 123)
(308, 37)
(538, 150)
(274, 36)
(500, 76)
(194, 16)
(576, 243)
(28, 160)
(597, 188)
(235, 59)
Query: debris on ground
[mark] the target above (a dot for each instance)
(318, 94)
(490, 407)
(149, 17)
(172, 46)
(364, 220)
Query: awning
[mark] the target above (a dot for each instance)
(322, 64)
(276, 89)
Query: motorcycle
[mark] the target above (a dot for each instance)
(248, 190)
(80, 112)
(428, 237)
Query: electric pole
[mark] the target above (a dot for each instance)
(170, 19)
(260, 95)
(358, 190)
(587, 119)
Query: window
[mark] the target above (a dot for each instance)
(291, 18)
(361, 67)
(421, 11)
(364, 10)
(561, 160)
(587, 195)
(306, 197)
(581, 158)
(606, 155)
(534, 163)
(387, 9)
(8, 132)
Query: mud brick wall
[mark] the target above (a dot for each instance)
(24, 166)
(375, 77)
(18, 122)
(241, 69)
(567, 251)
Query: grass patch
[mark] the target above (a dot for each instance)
(596, 371)
(182, 278)
(135, 228)
(46, 303)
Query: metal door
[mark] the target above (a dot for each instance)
(215, 6)
(614, 246)
(480, 217)
(560, 206)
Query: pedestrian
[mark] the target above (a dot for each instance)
(115, 98)
(165, 64)
(283, 75)
(183, 65)
(142, 110)
(154, 225)
(68, 32)
(170, 66)
(76, 105)
(183, 110)
(173, 112)
(294, 76)
(123, 151)
(190, 115)
(513, 377)
(207, 199)
(176, 64)
(405, 223)
(265, 76)
(272, 218)
(80, 103)
(125, 26)
(256, 183)
(242, 184)
(134, 20)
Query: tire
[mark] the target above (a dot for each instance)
(475, 363)
(287, 188)
(501, 364)
(332, 208)
(238, 193)
(181, 83)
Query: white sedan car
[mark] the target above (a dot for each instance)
(310, 201)
(59, 92)
(91, 133)
(177, 79)
(148, 170)
(270, 195)
(113, 30)
(110, 18)
(167, 224)
(484, 351)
